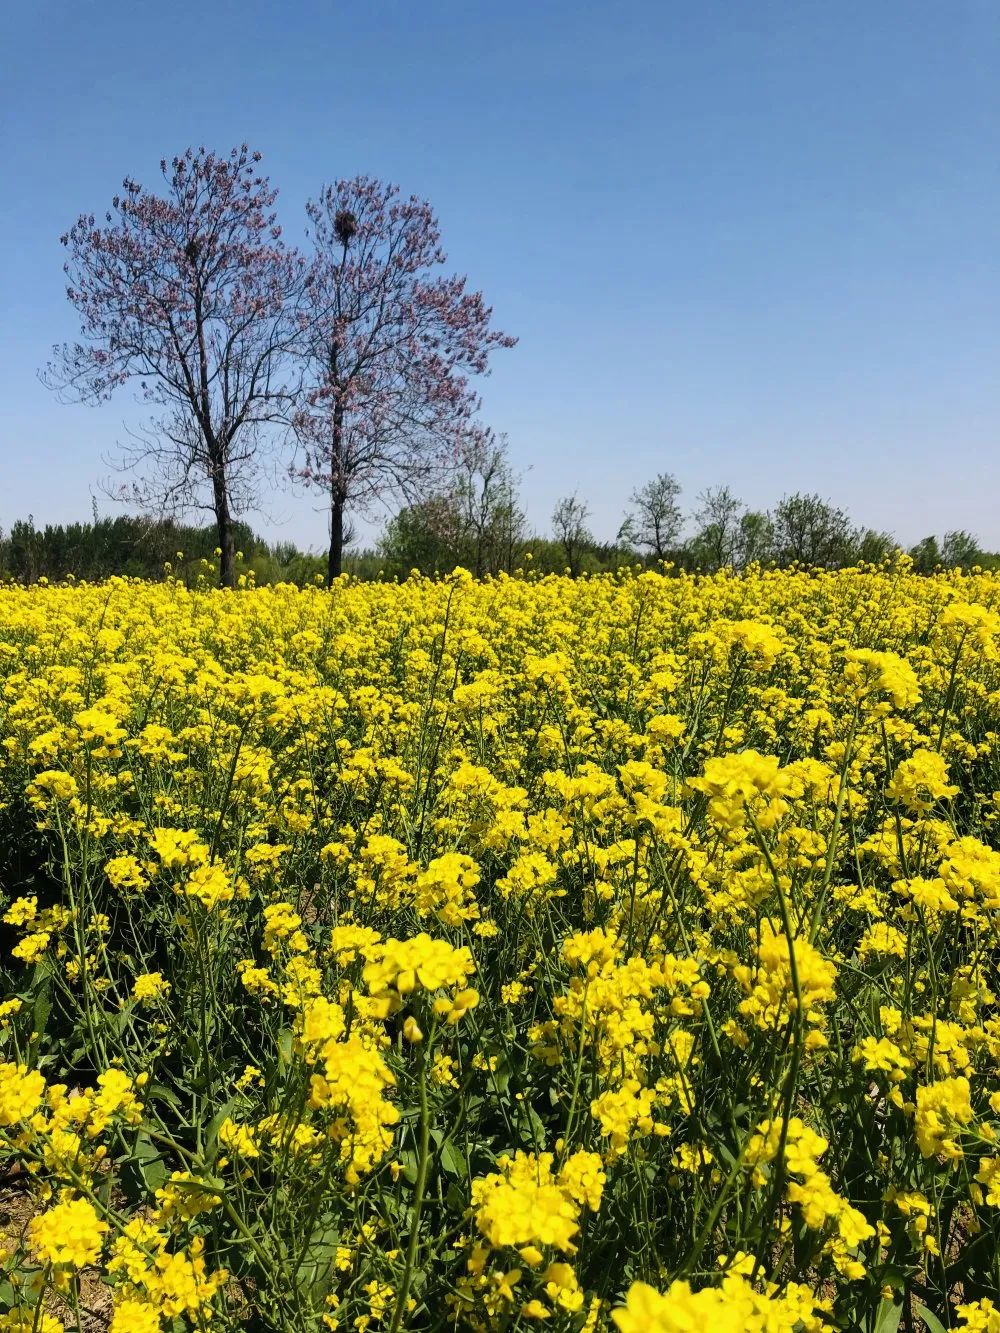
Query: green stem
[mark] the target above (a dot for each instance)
(831, 851)
(423, 1165)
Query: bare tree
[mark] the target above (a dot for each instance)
(569, 521)
(390, 353)
(655, 520)
(716, 542)
(493, 520)
(191, 295)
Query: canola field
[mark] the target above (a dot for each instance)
(611, 954)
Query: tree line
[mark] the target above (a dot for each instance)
(478, 521)
(141, 547)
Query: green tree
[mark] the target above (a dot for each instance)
(754, 538)
(809, 530)
(873, 546)
(959, 550)
(428, 536)
(926, 555)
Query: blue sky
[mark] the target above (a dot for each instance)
(745, 243)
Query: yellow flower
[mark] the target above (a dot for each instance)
(402, 966)
(979, 1316)
(238, 1139)
(60, 786)
(68, 1234)
(736, 783)
(177, 848)
(30, 1321)
(871, 674)
(536, 1309)
(921, 781)
(583, 1176)
(210, 885)
(150, 986)
(131, 1316)
(524, 1203)
(21, 1090)
(21, 912)
(989, 1175)
(775, 990)
(32, 946)
(733, 1307)
(593, 858)
(943, 1110)
(881, 938)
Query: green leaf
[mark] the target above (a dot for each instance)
(119, 1022)
(452, 1160)
(725, 1155)
(888, 1317)
(537, 1125)
(145, 1171)
(42, 1007)
(933, 1323)
(409, 1161)
(317, 1270)
(456, 1198)
(500, 1080)
(215, 1124)
(895, 1277)
(158, 1092)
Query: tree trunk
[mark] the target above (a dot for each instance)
(223, 522)
(227, 545)
(335, 564)
(336, 560)
(227, 562)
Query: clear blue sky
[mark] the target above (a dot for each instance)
(744, 242)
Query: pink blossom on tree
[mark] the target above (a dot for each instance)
(391, 349)
(192, 294)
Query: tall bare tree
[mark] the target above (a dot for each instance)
(190, 294)
(391, 349)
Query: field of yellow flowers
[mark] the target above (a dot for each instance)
(612, 954)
